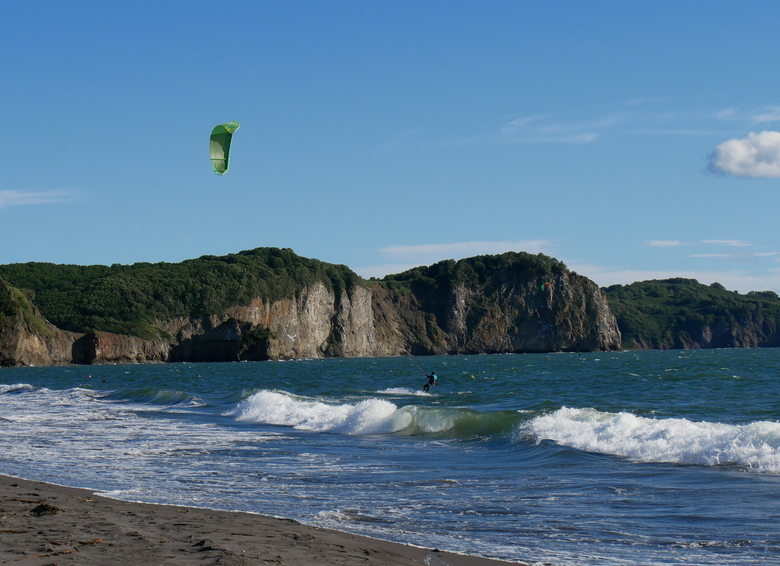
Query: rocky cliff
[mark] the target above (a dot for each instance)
(26, 338)
(752, 331)
(683, 313)
(510, 312)
(514, 307)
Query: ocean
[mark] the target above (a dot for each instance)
(630, 458)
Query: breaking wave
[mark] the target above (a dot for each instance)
(16, 388)
(370, 416)
(155, 396)
(755, 445)
(402, 391)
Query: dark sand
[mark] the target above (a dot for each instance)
(43, 524)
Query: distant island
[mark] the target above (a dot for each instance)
(270, 303)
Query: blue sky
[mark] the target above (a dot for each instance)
(631, 140)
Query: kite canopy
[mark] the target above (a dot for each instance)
(219, 146)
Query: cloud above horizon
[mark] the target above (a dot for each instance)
(721, 242)
(772, 114)
(756, 156)
(665, 243)
(19, 198)
(739, 257)
(549, 129)
(730, 243)
(737, 279)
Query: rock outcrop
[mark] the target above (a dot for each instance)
(755, 331)
(26, 338)
(508, 312)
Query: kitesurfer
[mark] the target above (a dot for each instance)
(431, 381)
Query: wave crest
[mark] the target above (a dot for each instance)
(16, 388)
(755, 445)
(371, 416)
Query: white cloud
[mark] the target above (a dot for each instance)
(772, 115)
(757, 155)
(762, 115)
(17, 198)
(516, 123)
(547, 129)
(732, 243)
(726, 113)
(665, 243)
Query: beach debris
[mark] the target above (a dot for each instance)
(431, 560)
(204, 545)
(219, 146)
(45, 509)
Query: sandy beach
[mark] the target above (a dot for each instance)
(45, 525)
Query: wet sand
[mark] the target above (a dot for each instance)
(46, 525)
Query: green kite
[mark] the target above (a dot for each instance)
(219, 146)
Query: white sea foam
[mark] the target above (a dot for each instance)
(404, 391)
(371, 416)
(77, 430)
(755, 445)
(14, 388)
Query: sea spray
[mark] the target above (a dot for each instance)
(755, 445)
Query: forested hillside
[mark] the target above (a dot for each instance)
(129, 299)
(511, 302)
(683, 313)
(270, 303)
(478, 270)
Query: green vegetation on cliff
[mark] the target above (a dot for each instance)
(473, 271)
(487, 279)
(682, 313)
(131, 299)
(14, 301)
(127, 299)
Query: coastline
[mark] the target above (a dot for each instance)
(44, 524)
